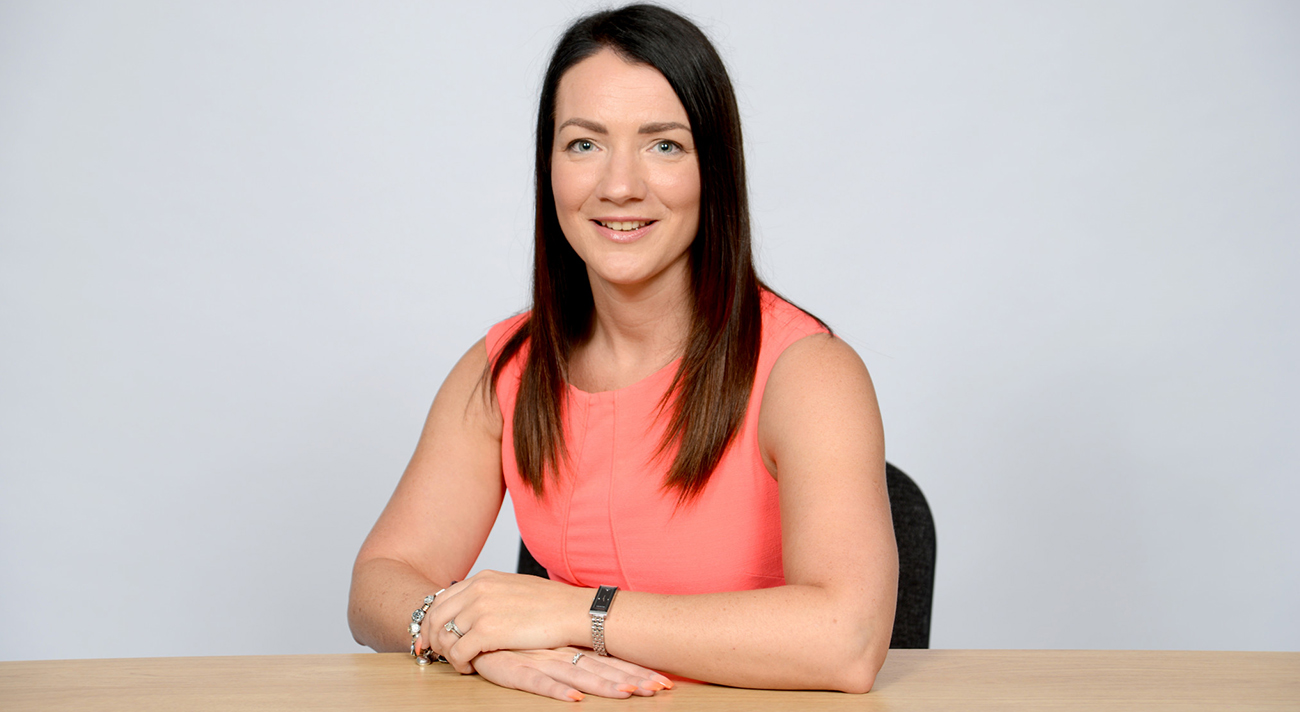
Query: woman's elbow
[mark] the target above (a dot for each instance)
(355, 618)
(859, 675)
(861, 658)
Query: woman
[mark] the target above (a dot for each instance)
(663, 422)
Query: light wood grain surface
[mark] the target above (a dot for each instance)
(910, 680)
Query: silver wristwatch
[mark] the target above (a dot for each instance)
(600, 609)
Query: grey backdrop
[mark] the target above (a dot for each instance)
(242, 243)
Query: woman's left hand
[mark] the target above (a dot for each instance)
(499, 611)
(568, 673)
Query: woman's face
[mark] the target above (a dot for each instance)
(625, 174)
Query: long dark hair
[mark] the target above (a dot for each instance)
(710, 391)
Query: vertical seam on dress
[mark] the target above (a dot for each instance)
(573, 486)
(609, 502)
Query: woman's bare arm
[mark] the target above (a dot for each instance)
(829, 626)
(434, 526)
(432, 531)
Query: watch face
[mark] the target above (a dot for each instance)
(604, 597)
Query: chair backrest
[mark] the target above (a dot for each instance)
(914, 532)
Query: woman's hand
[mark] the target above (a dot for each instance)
(552, 673)
(498, 611)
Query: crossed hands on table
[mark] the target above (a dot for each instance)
(516, 631)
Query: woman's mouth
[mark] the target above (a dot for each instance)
(624, 230)
(624, 225)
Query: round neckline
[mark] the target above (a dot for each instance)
(650, 380)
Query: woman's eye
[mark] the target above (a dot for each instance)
(666, 147)
(582, 146)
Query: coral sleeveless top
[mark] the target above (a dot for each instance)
(607, 520)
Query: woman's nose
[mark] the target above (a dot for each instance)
(622, 179)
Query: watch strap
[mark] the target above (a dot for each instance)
(599, 609)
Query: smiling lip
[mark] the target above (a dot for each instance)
(623, 236)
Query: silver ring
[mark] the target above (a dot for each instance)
(574, 661)
(451, 628)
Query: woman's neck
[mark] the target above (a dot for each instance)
(636, 331)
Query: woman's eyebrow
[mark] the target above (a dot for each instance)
(589, 125)
(662, 126)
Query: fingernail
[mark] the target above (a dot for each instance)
(626, 688)
(668, 684)
(652, 685)
(575, 695)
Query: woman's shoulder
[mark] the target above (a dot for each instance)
(817, 381)
(798, 347)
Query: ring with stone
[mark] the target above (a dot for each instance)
(451, 628)
(577, 655)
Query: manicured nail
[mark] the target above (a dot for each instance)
(626, 688)
(652, 685)
(575, 695)
(668, 684)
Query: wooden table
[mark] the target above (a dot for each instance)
(910, 680)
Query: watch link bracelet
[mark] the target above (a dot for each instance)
(600, 609)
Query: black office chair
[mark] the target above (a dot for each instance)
(914, 531)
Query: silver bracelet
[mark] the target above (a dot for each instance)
(599, 609)
(425, 656)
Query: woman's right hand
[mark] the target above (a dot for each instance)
(551, 673)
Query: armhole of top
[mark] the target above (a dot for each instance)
(792, 325)
(500, 333)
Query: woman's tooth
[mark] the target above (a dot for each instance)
(625, 225)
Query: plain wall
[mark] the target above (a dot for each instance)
(241, 244)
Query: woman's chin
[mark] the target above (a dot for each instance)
(623, 283)
(631, 278)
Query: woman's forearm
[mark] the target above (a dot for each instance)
(384, 593)
(790, 637)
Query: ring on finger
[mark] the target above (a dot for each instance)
(451, 628)
(576, 656)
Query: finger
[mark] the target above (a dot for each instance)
(446, 639)
(458, 608)
(632, 669)
(424, 641)
(462, 621)
(634, 682)
(589, 681)
(445, 608)
(460, 652)
(529, 679)
(425, 638)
